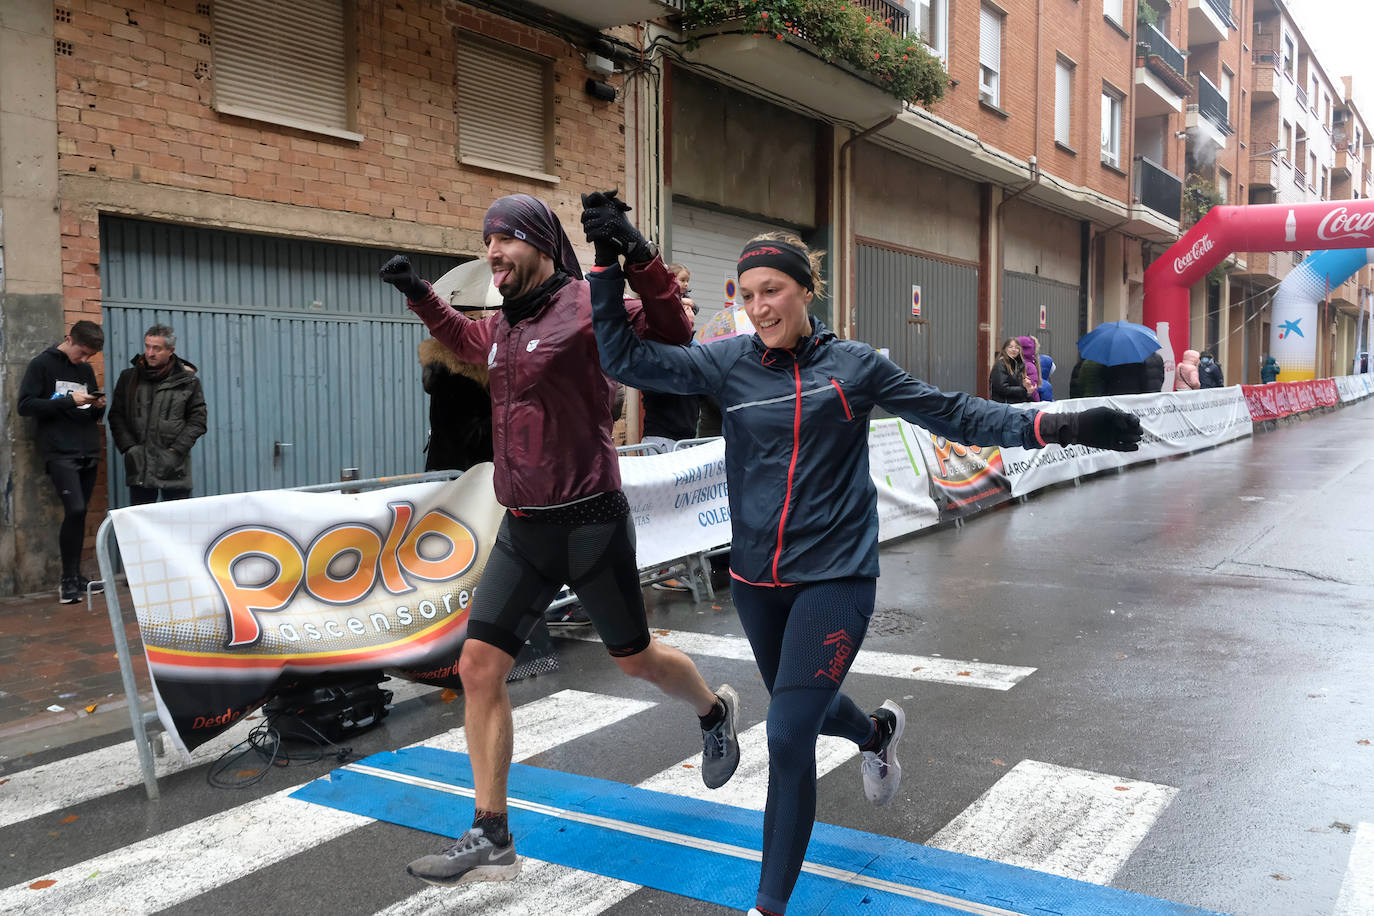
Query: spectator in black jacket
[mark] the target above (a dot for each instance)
(1086, 381)
(60, 391)
(671, 417)
(1007, 381)
(459, 408)
(1209, 373)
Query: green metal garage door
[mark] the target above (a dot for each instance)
(308, 361)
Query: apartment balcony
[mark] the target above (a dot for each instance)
(1264, 87)
(604, 14)
(893, 15)
(1207, 120)
(1265, 171)
(1158, 189)
(1344, 161)
(1160, 75)
(1209, 21)
(792, 71)
(1302, 98)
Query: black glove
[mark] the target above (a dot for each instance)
(401, 275)
(1098, 427)
(611, 234)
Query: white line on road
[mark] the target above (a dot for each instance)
(73, 780)
(182, 863)
(868, 661)
(1054, 819)
(1357, 890)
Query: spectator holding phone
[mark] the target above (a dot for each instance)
(60, 392)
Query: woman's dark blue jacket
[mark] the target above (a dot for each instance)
(803, 507)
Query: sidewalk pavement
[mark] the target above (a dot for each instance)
(63, 655)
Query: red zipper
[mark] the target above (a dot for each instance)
(848, 414)
(791, 469)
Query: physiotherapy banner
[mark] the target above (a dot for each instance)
(236, 594)
(678, 500)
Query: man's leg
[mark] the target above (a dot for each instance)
(67, 478)
(142, 496)
(175, 493)
(487, 718)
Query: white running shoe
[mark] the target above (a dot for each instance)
(882, 772)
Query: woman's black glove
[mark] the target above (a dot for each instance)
(1098, 427)
(401, 275)
(610, 232)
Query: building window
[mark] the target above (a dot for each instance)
(1312, 172)
(1326, 178)
(1224, 186)
(285, 63)
(1288, 56)
(990, 57)
(1112, 10)
(1111, 128)
(931, 16)
(1288, 141)
(516, 135)
(1063, 102)
(1226, 87)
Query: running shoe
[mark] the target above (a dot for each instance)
(720, 751)
(569, 615)
(882, 772)
(69, 590)
(471, 857)
(96, 587)
(672, 585)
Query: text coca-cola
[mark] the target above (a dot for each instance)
(1200, 248)
(1341, 223)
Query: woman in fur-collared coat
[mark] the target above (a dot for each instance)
(459, 409)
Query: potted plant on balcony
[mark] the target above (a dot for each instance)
(839, 32)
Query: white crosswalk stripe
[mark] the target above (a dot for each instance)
(1357, 888)
(881, 664)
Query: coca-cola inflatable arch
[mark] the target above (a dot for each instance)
(1258, 227)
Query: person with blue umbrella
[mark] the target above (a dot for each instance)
(1128, 351)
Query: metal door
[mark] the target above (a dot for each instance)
(1022, 297)
(308, 361)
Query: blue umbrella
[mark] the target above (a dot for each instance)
(1118, 342)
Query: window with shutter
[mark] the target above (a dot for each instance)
(930, 22)
(1111, 129)
(1063, 101)
(507, 130)
(285, 63)
(990, 56)
(1112, 10)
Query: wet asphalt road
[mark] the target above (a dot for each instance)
(1204, 623)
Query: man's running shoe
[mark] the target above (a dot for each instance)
(882, 772)
(672, 585)
(96, 587)
(471, 857)
(69, 591)
(720, 751)
(569, 615)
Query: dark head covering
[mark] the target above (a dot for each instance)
(530, 220)
(779, 255)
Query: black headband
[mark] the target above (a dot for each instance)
(782, 256)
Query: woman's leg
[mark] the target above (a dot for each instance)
(823, 632)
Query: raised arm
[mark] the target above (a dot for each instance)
(469, 340)
(658, 313)
(973, 421)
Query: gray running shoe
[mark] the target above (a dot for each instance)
(882, 772)
(471, 857)
(720, 751)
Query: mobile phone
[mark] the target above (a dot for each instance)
(96, 394)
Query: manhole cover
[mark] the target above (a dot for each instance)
(893, 621)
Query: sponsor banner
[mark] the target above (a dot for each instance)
(678, 500)
(1280, 399)
(1354, 387)
(240, 593)
(1174, 423)
(964, 479)
(899, 473)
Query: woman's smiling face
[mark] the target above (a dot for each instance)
(776, 304)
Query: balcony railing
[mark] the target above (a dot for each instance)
(1211, 104)
(1223, 9)
(1156, 45)
(1158, 189)
(893, 15)
(1302, 97)
(1267, 56)
(1300, 178)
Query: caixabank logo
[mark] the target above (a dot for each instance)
(341, 589)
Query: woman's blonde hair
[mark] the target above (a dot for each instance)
(817, 258)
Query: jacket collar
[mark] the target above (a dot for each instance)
(801, 353)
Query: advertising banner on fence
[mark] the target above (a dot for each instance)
(1174, 423)
(235, 594)
(898, 471)
(1280, 399)
(678, 500)
(964, 479)
(1354, 387)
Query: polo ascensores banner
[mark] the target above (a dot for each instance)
(237, 593)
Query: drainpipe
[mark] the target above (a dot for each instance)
(1001, 236)
(846, 230)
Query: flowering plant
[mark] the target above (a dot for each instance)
(840, 30)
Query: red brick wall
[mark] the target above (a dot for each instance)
(134, 105)
(1079, 31)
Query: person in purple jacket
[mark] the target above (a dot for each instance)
(796, 402)
(567, 521)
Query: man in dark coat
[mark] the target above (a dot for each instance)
(459, 409)
(1086, 380)
(1208, 372)
(157, 414)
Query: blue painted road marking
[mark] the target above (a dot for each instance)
(708, 851)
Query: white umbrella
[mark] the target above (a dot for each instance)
(469, 286)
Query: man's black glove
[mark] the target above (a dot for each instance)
(401, 275)
(1098, 427)
(610, 232)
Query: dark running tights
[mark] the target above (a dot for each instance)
(74, 479)
(804, 639)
